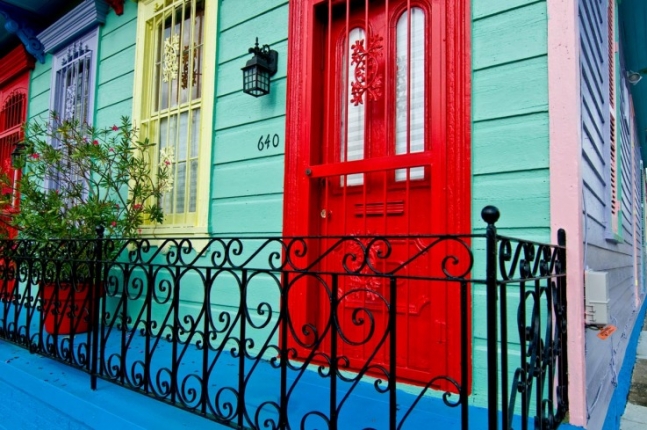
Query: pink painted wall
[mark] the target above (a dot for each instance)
(565, 180)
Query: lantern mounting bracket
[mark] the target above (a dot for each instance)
(269, 55)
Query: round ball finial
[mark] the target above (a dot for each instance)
(490, 214)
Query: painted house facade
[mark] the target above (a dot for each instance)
(389, 118)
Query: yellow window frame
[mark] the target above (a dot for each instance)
(143, 116)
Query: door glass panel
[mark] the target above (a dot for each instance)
(352, 116)
(410, 89)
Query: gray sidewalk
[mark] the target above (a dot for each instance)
(635, 416)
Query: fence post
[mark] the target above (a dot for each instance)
(95, 297)
(490, 215)
(562, 378)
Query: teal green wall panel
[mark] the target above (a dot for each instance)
(39, 89)
(112, 114)
(511, 89)
(242, 143)
(270, 27)
(484, 8)
(117, 65)
(511, 36)
(522, 139)
(522, 197)
(247, 215)
(510, 144)
(115, 91)
(41, 84)
(236, 12)
(240, 109)
(230, 78)
(254, 178)
(113, 41)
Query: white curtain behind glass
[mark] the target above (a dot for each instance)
(352, 117)
(410, 89)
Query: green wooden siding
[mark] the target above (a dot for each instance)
(510, 150)
(115, 70)
(247, 184)
(510, 144)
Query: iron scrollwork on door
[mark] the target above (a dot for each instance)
(367, 79)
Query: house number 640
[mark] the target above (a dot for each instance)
(265, 141)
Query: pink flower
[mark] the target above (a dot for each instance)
(114, 224)
(168, 163)
(137, 206)
(115, 128)
(95, 142)
(111, 149)
(35, 156)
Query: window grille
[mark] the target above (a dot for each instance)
(172, 117)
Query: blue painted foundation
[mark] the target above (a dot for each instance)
(620, 394)
(33, 388)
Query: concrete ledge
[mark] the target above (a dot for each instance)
(37, 393)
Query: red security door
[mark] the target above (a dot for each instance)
(14, 80)
(380, 167)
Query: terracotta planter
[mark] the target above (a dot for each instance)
(71, 312)
(6, 286)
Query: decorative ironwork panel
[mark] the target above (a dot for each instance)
(217, 326)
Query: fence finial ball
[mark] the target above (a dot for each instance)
(490, 214)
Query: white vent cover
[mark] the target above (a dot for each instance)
(596, 286)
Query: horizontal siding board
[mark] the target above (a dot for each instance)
(116, 91)
(107, 115)
(41, 84)
(114, 42)
(239, 109)
(39, 106)
(485, 8)
(511, 36)
(241, 143)
(270, 28)
(233, 13)
(230, 78)
(509, 90)
(522, 197)
(523, 140)
(245, 216)
(118, 65)
(251, 178)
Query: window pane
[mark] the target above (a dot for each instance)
(195, 133)
(193, 186)
(410, 89)
(180, 186)
(177, 35)
(183, 135)
(352, 116)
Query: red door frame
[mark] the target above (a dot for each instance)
(302, 132)
(304, 129)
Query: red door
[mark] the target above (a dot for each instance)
(381, 166)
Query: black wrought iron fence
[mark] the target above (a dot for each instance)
(358, 332)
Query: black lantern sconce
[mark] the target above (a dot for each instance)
(17, 154)
(258, 70)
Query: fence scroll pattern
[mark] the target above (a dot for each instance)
(296, 333)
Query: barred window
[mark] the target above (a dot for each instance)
(172, 100)
(73, 80)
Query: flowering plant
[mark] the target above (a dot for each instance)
(75, 177)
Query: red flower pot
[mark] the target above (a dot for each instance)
(70, 311)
